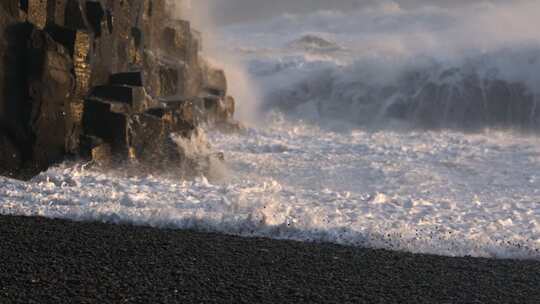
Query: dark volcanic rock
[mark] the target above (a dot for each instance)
(95, 14)
(15, 108)
(10, 156)
(109, 122)
(88, 78)
(50, 84)
(129, 79)
(214, 81)
(134, 97)
(10, 8)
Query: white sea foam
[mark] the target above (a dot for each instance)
(433, 192)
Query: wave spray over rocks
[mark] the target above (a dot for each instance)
(406, 127)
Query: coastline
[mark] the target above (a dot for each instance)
(61, 261)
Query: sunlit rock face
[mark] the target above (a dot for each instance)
(87, 78)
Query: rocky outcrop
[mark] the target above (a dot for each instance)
(312, 43)
(108, 80)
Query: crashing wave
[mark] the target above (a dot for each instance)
(434, 66)
(473, 94)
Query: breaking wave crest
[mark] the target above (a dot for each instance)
(470, 95)
(429, 66)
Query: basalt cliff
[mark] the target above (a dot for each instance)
(108, 80)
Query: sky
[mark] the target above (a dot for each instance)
(234, 11)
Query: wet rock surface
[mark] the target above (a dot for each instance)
(79, 75)
(55, 261)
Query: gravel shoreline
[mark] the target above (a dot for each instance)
(58, 261)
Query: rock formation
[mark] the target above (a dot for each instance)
(108, 80)
(312, 43)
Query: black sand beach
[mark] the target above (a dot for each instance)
(56, 261)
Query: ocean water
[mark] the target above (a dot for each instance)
(343, 145)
